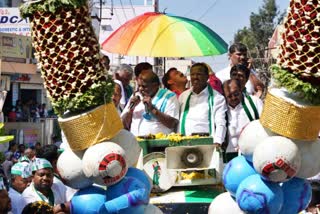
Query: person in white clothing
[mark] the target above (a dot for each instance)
(50, 153)
(20, 179)
(242, 109)
(42, 187)
(202, 108)
(238, 54)
(152, 109)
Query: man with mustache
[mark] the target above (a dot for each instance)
(238, 54)
(175, 81)
(152, 109)
(20, 179)
(203, 109)
(42, 187)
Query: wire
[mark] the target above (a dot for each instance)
(134, 12)
(124, 12)
(209, 8)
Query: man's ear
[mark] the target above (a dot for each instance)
(170, 82)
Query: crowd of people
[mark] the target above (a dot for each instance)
(215, 104)
(29, 111)
(30, 183)
(209, 106)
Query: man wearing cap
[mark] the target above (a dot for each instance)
(42, 187)
(20, 179)
(5, 202)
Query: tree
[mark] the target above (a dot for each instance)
(257, 36)
(262, 25)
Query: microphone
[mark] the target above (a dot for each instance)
(134, 103)
(146, 109)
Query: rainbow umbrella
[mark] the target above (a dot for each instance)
(163, 35)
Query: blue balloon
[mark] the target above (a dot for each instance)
(297, 193)
(88, 200)
(141, 175)
(235, 172)
(127, 196)
(255, 195)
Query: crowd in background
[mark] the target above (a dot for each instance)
(29, 111)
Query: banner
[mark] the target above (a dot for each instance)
(11, 22)
(15, 48)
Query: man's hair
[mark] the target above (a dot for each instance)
(202, 65)
(238, 47)
(151, 77)
(140, 67)
(228, 82)
(124, 67)
(166, 77)
(240, 67)
(49, 152)
(106, 59)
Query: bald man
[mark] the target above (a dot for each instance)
(152, 109)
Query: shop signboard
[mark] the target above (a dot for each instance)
(30, 136)
(15, 48)
(11, 22)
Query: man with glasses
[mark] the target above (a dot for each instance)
(152, 109)
(242, 109)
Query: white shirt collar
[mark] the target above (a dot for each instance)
(203, 92)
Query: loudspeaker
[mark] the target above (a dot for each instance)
(182, 158)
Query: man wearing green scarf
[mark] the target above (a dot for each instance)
(203, 109)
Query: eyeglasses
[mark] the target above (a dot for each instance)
(235, 94)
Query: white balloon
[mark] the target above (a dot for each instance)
(252, 135)
(310, 158)
(152, 209)
(129, 143)
(106, 162)
(224, 204)
(277, 158)
(70, 169)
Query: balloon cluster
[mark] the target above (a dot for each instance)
(107, 164)
(270, 176)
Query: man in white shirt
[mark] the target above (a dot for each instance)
(238, 54)
(152, 109)
(42, 187)
(242, 109)
(20, 179)
(202, 108)
(50, 153)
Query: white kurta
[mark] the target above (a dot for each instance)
(30, 195)
(238, 119)
(224, 75)
(140, 126)
(17, 201)
(197, 119)
(68, 191)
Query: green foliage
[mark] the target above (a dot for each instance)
(289, 80)
(97, 95)
(28, 9)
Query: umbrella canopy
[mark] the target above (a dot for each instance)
(163, 35)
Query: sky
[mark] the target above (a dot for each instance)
(225, 17)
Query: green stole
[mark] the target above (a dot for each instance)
(187, 107)
(246, 109)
